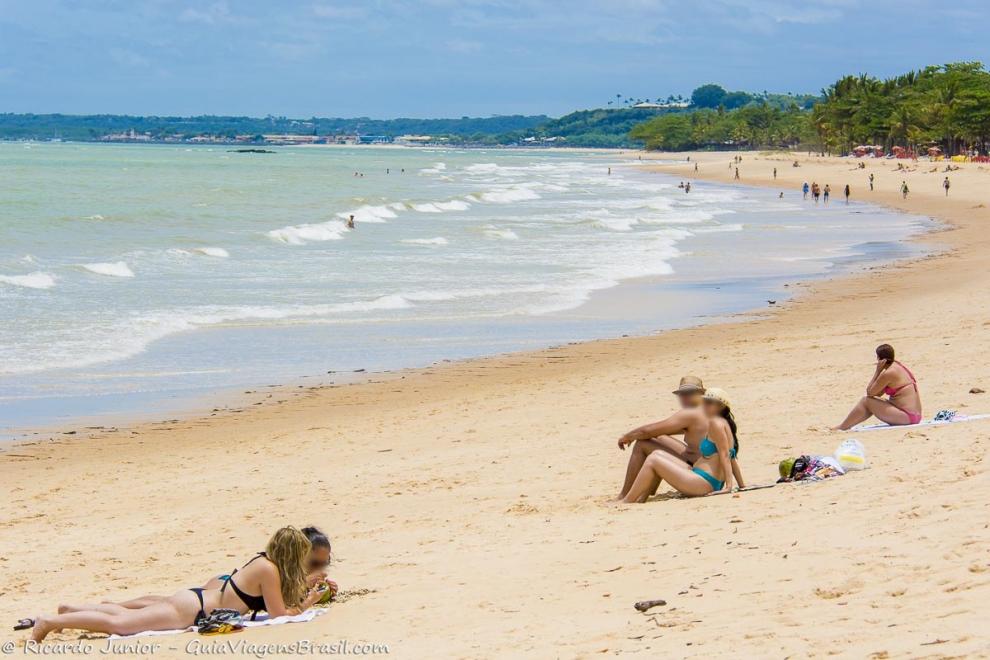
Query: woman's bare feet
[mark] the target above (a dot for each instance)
(42, 627)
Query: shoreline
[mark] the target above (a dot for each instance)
(508, 462)
(128, 409)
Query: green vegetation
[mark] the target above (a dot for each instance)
(753, 125)
(945, 106)
(589, 128)
(941, 106)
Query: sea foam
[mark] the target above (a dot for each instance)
(439, 240)
(111, 269)
(332, 230)
(36, 280)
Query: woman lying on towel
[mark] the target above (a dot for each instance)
(274, 581)
(713, 472)
(903, 403)
(316, 573)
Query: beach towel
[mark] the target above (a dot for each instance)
(262, 620)
(939, 419)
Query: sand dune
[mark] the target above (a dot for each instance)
(472, 500)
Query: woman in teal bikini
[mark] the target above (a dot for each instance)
(713, 472)
(903, 403)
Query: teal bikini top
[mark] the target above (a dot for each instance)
(708, 448)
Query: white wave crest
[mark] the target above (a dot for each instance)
(332, 230)
(213, 252)
(504, 234)
(370, 213)
(441, 207)
(508, 195)
(110, 269)
(36, 280)
(439, 240)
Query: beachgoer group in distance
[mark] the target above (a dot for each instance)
(288, 578)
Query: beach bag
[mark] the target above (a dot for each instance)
(851, 455)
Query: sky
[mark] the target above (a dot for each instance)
(452, 58)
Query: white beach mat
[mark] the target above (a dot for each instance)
(262, 620)
(927, 422)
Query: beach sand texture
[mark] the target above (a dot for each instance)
(472, 499)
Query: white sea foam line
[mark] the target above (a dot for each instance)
(131, 337)
(110, 269)
(36, 280)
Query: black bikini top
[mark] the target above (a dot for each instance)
(253, 603)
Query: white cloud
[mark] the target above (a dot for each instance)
(338, 12)
(215, 13)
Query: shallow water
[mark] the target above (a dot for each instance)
(137, 277)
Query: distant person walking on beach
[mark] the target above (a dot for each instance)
(687, 187)
(871, 181)
(350, 222)
(775, 174)
(816, 191)
(846, 192)
(805, 189)
(903, 405)
(904, 189)
(828, 191)
(696, 166)
(737, 174)
(946, 184)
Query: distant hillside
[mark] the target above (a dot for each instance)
(94, 127)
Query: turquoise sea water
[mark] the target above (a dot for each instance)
(133, 277)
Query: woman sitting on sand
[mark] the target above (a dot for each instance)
(689, 422)
(316, 565)
(713, 472)
(274, 581)
(903, 405)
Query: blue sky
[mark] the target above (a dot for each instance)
(433, 58)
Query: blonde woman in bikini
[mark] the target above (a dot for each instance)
(903, 403)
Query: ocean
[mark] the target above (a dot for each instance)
(140, 279)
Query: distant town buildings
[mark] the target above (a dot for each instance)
(291, 139)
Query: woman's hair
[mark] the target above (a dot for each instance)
(316, 537)
(289, 549)
(731, 419)
(885, 352)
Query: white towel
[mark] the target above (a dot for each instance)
(927, 422)
(262, 620)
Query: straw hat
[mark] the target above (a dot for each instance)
(719, 395)
(690, 385)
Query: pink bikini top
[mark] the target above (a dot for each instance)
(892, 391)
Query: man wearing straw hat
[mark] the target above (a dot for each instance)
(689, 422)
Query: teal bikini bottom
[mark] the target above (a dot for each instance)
(716, 484)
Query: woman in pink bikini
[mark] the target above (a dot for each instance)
(903, 403)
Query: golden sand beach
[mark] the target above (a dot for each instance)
(470, 503)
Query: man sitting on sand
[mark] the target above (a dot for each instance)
(690, 422)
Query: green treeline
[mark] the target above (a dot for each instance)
(945, 106)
